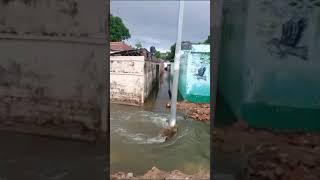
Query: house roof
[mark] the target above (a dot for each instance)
(119, 46)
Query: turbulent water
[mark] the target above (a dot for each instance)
(136, 144)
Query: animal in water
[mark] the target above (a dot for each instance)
(292, 32)
(168, 133)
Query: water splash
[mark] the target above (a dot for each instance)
(159, 120)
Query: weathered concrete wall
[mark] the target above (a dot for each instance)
(270, 55)
(53, 17)
(150, 77)
(131, 79)
(127, 79)
(263, 66)
(51, 80)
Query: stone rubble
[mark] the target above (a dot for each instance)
(157, 174)
(196, 111)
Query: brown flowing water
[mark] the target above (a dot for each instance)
(136, 144)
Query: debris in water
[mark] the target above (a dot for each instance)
(168, 105)
(130, 175)
(168, 132)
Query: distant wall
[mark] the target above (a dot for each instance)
(131, 79)
(150, 77)
(52, 66)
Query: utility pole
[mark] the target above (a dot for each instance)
(176, 68)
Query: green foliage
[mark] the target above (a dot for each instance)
(138, 45)
(164, 56)
(118, 31)
(208, 40)
(157, 54)
(170, 55)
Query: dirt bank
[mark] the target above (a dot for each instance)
(155, 173)
(271, 155)
(199, 112)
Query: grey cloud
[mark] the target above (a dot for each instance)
(155, 22)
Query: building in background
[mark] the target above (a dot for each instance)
(119, 46)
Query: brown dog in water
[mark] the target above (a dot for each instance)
(168, 132)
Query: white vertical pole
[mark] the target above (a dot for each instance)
(176, 67)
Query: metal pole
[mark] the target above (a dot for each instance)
(176, 67)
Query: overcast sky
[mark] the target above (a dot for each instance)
(154, 23)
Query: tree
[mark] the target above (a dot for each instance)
(208, 40)
(138, 45)
(170, 55)
(157, 54)
(118, 31)
(164, 55)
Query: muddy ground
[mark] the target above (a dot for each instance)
(272, 155)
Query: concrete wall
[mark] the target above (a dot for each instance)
(251, 31)
(195, 87)
(150, 77)
(278, 73)
(53, 17)
(52, 74)
(131, 79)
(276, 77)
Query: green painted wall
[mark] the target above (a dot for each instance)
(268, 82)
(194, 86)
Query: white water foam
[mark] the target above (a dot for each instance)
(138, 138)
(158, 119)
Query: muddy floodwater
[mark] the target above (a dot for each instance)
(136, 144)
